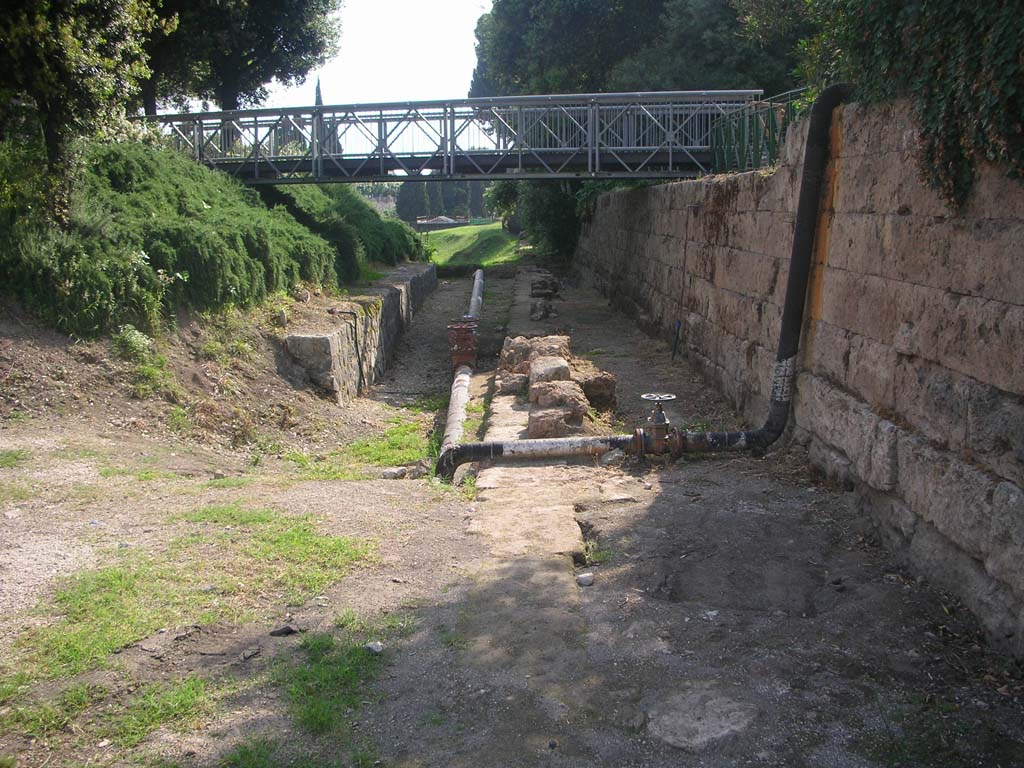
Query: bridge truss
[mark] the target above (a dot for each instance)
(632, 135)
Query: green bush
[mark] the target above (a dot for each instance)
(344, 218)
(149, 229)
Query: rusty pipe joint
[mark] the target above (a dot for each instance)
(462, 342)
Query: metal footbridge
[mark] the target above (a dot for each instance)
(615, 135)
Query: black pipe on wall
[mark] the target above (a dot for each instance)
(815, 158)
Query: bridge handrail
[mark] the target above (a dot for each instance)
(645, 97)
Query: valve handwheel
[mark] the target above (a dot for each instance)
(658, 397)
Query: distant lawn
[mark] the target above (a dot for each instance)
(486, 245)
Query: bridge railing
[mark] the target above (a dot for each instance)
(752, 137)
(623, 134)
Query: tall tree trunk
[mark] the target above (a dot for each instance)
(55, 142)
(148, 88)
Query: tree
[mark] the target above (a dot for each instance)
(435, 203)
(229, 50)
(77, 61)
(411, 202)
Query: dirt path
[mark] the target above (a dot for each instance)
(739, 615)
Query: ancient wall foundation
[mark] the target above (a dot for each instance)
(354, 355)
(911, 380)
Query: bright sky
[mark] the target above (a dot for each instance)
(395, 50)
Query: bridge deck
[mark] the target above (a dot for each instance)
(638, 135)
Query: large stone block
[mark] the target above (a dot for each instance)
(548, 369)
(563, 394)
(1004, 557)
(994, 603)
(850, 426)
(949, 493)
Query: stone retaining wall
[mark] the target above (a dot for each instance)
(355, 355)
(911, 379)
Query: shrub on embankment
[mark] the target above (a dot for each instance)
(345, 219)
(150, 230)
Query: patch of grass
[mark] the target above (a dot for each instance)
(597, 553)
(152, 377)
(940, 735)
(403, 443)
(12, 492)
(267, 753)
(132, 344)
(388, 625)
(45, 719)
(232, 514)
(469, 490)
(452, 639)
(325, 468)
(178, 419)
(332, 678)
(228, 482)
(15, 417)
(486, 245)
(178, 704)
(142, 475)
(12, 458)
(101, 611)
(429, 403)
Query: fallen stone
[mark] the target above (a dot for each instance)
(561, 394)
(218, 475)
(542, 310)
(282, 318)
(548, 369)
(394, 473)
(597, 385)
(549, 346)
(613, 457)
(510, 383)
(544, 287)
(550, 422)
(695, 719)
(251, 652)
(514, 351)
(585, 579)
(376, 647)
(284, 631)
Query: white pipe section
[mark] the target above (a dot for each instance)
(457, 408)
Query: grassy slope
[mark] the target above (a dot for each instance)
(485, 245)
(150, 229)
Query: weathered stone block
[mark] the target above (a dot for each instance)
(551, 422)
(561, 394)
(549, 346)
(1005, 545)
(548, 369)
(949, 493)
(850, 426)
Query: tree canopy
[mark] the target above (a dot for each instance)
(227, 51)
(73, 61)
(551, 46)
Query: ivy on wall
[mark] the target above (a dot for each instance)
(962, 64)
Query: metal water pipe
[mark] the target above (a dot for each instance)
(664, 439)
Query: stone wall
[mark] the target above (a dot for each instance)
(353, 356)
(911, 379)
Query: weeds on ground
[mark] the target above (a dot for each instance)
(13, 492)
(330, 679)
(178, 704)
(432, 403)
(228, 482)
(13, 458)
(42, 720)
(404, 442)
(596, 553)
(104, 610)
